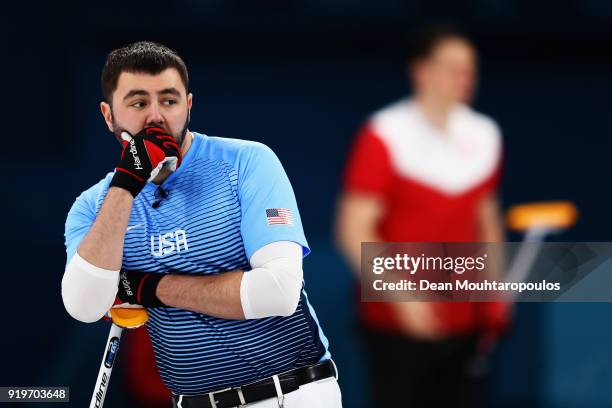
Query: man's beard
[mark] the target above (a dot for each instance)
(179, 137)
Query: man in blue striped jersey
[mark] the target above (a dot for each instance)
(205, 233)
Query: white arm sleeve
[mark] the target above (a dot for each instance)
(88, 292)
(273, 286)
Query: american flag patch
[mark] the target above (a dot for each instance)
(279, 216)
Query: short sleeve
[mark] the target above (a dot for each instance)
(269, 211)
(80, 218)
(369, 167)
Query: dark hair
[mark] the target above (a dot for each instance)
(425, 40)
(143, 56)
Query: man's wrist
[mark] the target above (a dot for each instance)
(162, 288)
(147, 294)
(120, 192)
(128, 182)
(139, 288)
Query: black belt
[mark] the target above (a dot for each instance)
(258, 391)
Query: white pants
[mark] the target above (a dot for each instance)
(317, 394)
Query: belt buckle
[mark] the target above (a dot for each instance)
(211, 396)
(213, 401)
(241, 397)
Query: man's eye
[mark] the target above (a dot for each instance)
(170, 102)
(138, 104)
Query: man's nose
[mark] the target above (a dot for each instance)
(154, 116)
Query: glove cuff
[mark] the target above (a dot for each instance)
(127, 181)
(145, 293)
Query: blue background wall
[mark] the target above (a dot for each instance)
(301, 76)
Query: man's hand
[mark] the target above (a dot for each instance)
(139, 288)
(143, 156)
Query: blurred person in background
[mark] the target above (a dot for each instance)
(426, 169)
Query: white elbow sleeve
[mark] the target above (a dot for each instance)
(88, 292)
(273, 286)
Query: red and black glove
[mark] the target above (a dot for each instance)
(138, 288)
(143, 156)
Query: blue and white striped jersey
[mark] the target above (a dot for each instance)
(213, 219)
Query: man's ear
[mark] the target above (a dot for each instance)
(107, 113)
(189, 100)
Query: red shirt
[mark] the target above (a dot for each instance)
(431, 183)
